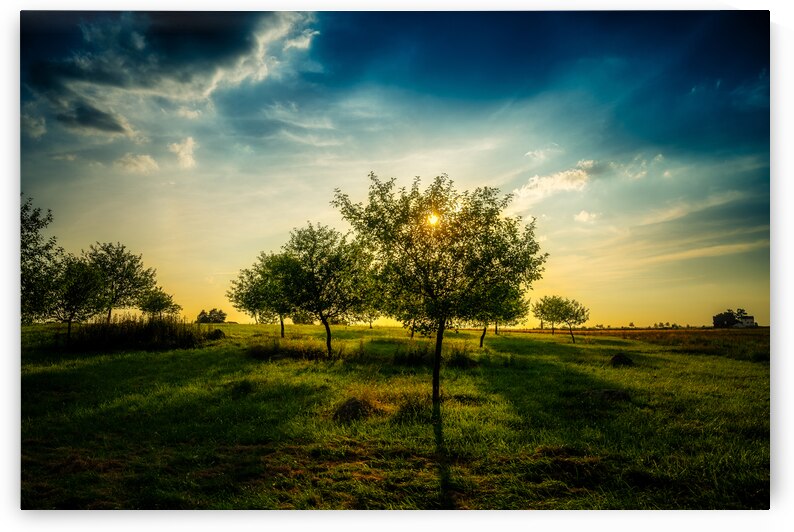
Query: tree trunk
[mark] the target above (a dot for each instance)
(281, 321)
(370, 324)
(327, 335)
(552, 328)
(437, 362)
(571, 329)
(68, 331)
(496, 327)
(110, 309)
(482, 337)
(412, 330)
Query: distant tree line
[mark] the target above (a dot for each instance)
(60, 286)
(729, 318)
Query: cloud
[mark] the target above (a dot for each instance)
(311, 140)
(585, 217)
(190, 114)
(184, 152)
(87, 119)
(34, 126)
(539, 187)
(639, 167)
(69, 157)
(303, 41)
(709, 251)
(138, 164)
(290, 114)
(542, 154)
(135, 57)
(683, 208)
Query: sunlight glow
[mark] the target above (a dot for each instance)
(432, 218)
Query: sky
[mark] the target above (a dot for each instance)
(639, 141)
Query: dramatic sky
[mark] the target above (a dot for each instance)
(639, 141)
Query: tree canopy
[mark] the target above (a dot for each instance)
(323, 271)
(260, 291)
(38, 262)
(124, 279)
(436, 247)
(156, 303)
(77, 292)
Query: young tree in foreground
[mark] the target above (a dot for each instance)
(38, 262)
(322, 272)
(573, 315)
(77, 292)
(434, 248)
(124, 279)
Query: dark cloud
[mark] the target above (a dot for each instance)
(85, 116)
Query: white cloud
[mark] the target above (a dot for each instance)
(639, 167)
(539, 187)
(190, 114)
(311, 140)
(34, 126)
(542, 154)
(184, 152)
(303, 41)
(585, 217)
(290, 114)
(70, 157)
(138, 164)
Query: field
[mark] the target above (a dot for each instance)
(531, 421)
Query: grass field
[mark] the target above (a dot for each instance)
(531, 421)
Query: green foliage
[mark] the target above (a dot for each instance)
(323, 271)
(124, 279)
(213, 316)
(549, 310)
(157, 304)
(38, 262)
(260, 291)
(77, 292)
(436, 250)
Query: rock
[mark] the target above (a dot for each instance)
(217, 334)
(353, 409)
(620, 360)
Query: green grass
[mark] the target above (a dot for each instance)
(531, 421)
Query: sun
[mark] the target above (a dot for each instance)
(432, 218)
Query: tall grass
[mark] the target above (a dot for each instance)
(129, 333)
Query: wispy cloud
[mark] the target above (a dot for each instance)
(303, 41)
(544, 153)
(291, 115)
(184, 152)
(682, 208)
(186, 112)
(138, 164)
(586, 217)
(34, 127)
(539, 187)
(708, 251)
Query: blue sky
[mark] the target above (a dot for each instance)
(639, 141)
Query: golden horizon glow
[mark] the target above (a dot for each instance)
(432, 218)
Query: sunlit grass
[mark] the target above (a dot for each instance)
(530, 421)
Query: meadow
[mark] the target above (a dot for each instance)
(531, 421)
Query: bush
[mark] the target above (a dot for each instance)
(134, 334)
(415, 355)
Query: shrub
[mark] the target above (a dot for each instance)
(416, 354)
(301, 349)
(131, 334)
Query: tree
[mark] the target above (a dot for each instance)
(260, 291)
(156, 303)
(38, 262)
(550, 309)
(499, 302)
(77, 293)
(322, 272)
(124, 279)
(213, 316)
(725, 319)
(434, 248)
(300, 317)
(574, 314)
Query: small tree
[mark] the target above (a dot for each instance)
(434, 248)
(500, 302)
(550, 309)
(156, 304)
(124, 279)
(260, 291)
(39, 257)
(725, 319)
(573, 315)
(77, 293)
(322, 272)
(300, 317)
(213, 316)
